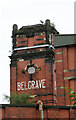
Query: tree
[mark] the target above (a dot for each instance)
(16, 98)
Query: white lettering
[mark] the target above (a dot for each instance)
(25, 86)
(18, 86)
(31, 85)
(22, 85)
(43, 83)
(37, 84)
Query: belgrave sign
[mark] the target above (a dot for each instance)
(31, 85)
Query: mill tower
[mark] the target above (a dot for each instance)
(32, 61)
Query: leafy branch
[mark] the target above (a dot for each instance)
(71, 94)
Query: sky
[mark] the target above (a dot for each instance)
(29, 12)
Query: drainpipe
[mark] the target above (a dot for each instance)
(41, 109)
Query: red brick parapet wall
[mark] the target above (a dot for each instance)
(22, 112)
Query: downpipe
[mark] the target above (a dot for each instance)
(41, 109)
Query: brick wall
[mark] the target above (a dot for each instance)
(65, 72)
(45, 73)
(57, 75)
(42, 57)
(25, 111)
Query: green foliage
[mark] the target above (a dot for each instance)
(18, 31)
(16, 98)
(53, 25)
(71, 94)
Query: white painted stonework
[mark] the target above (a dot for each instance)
(31, 85)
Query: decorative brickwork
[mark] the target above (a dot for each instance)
(32, 62)
(44, 63)
(54, 69)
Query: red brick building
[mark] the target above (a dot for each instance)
(43, 63)
(32, 62)
(28, 112)
(65, 66)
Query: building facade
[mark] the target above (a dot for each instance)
(43, 63)
(32, 62)
(65, 66)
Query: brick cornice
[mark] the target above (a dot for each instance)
(35, 105)
(36, 54)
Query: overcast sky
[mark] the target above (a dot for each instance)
(29, 12)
